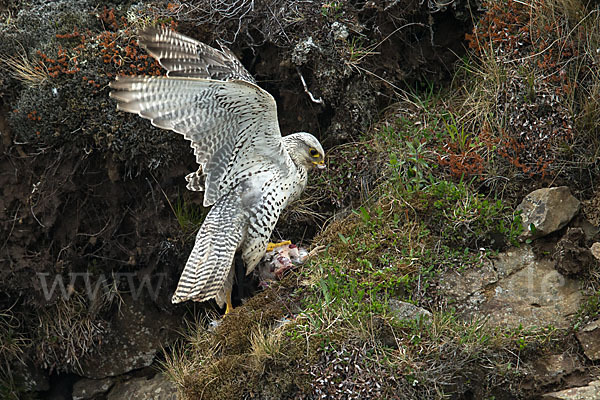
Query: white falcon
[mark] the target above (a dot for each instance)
(251, 173)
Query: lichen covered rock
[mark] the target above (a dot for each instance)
(547, 210)
(516, 289)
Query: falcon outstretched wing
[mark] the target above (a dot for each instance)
(182, 56)
(232, 124)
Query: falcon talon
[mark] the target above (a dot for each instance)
(249, 173)
(274, 246)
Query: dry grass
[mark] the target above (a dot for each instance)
(303, 209)
(24, 70)
(479, 97)
(67, 331)
(12, 344)
(581, 29)
(191, 353)
(179, 365)
(12, 351)
(248, 351)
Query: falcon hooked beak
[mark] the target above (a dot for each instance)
(320, 164)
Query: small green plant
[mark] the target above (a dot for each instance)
(412, 171)
(470, 219)
(189, 216)
(332, 9)
(357, 51)
(458, 136)
(425, 95)
(529, 80)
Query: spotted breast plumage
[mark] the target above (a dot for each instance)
(250, 172)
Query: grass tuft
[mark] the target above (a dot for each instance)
(25, 71)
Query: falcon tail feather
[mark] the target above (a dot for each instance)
(210, 261)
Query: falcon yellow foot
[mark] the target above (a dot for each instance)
(272, 246)
(229, 307)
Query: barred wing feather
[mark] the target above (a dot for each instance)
(232, 124)
(182, 56)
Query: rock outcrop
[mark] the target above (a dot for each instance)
(137, 334)
(403, 310)
(515, 289)
(85, 388)
(156, 388)
(589, 392)
(547, 210)
(572, 255)
(589, 338)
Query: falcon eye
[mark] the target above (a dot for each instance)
(314, 153)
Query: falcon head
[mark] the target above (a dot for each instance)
(305, 149)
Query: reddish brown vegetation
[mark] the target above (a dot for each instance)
(116, 47)
(534, 102)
